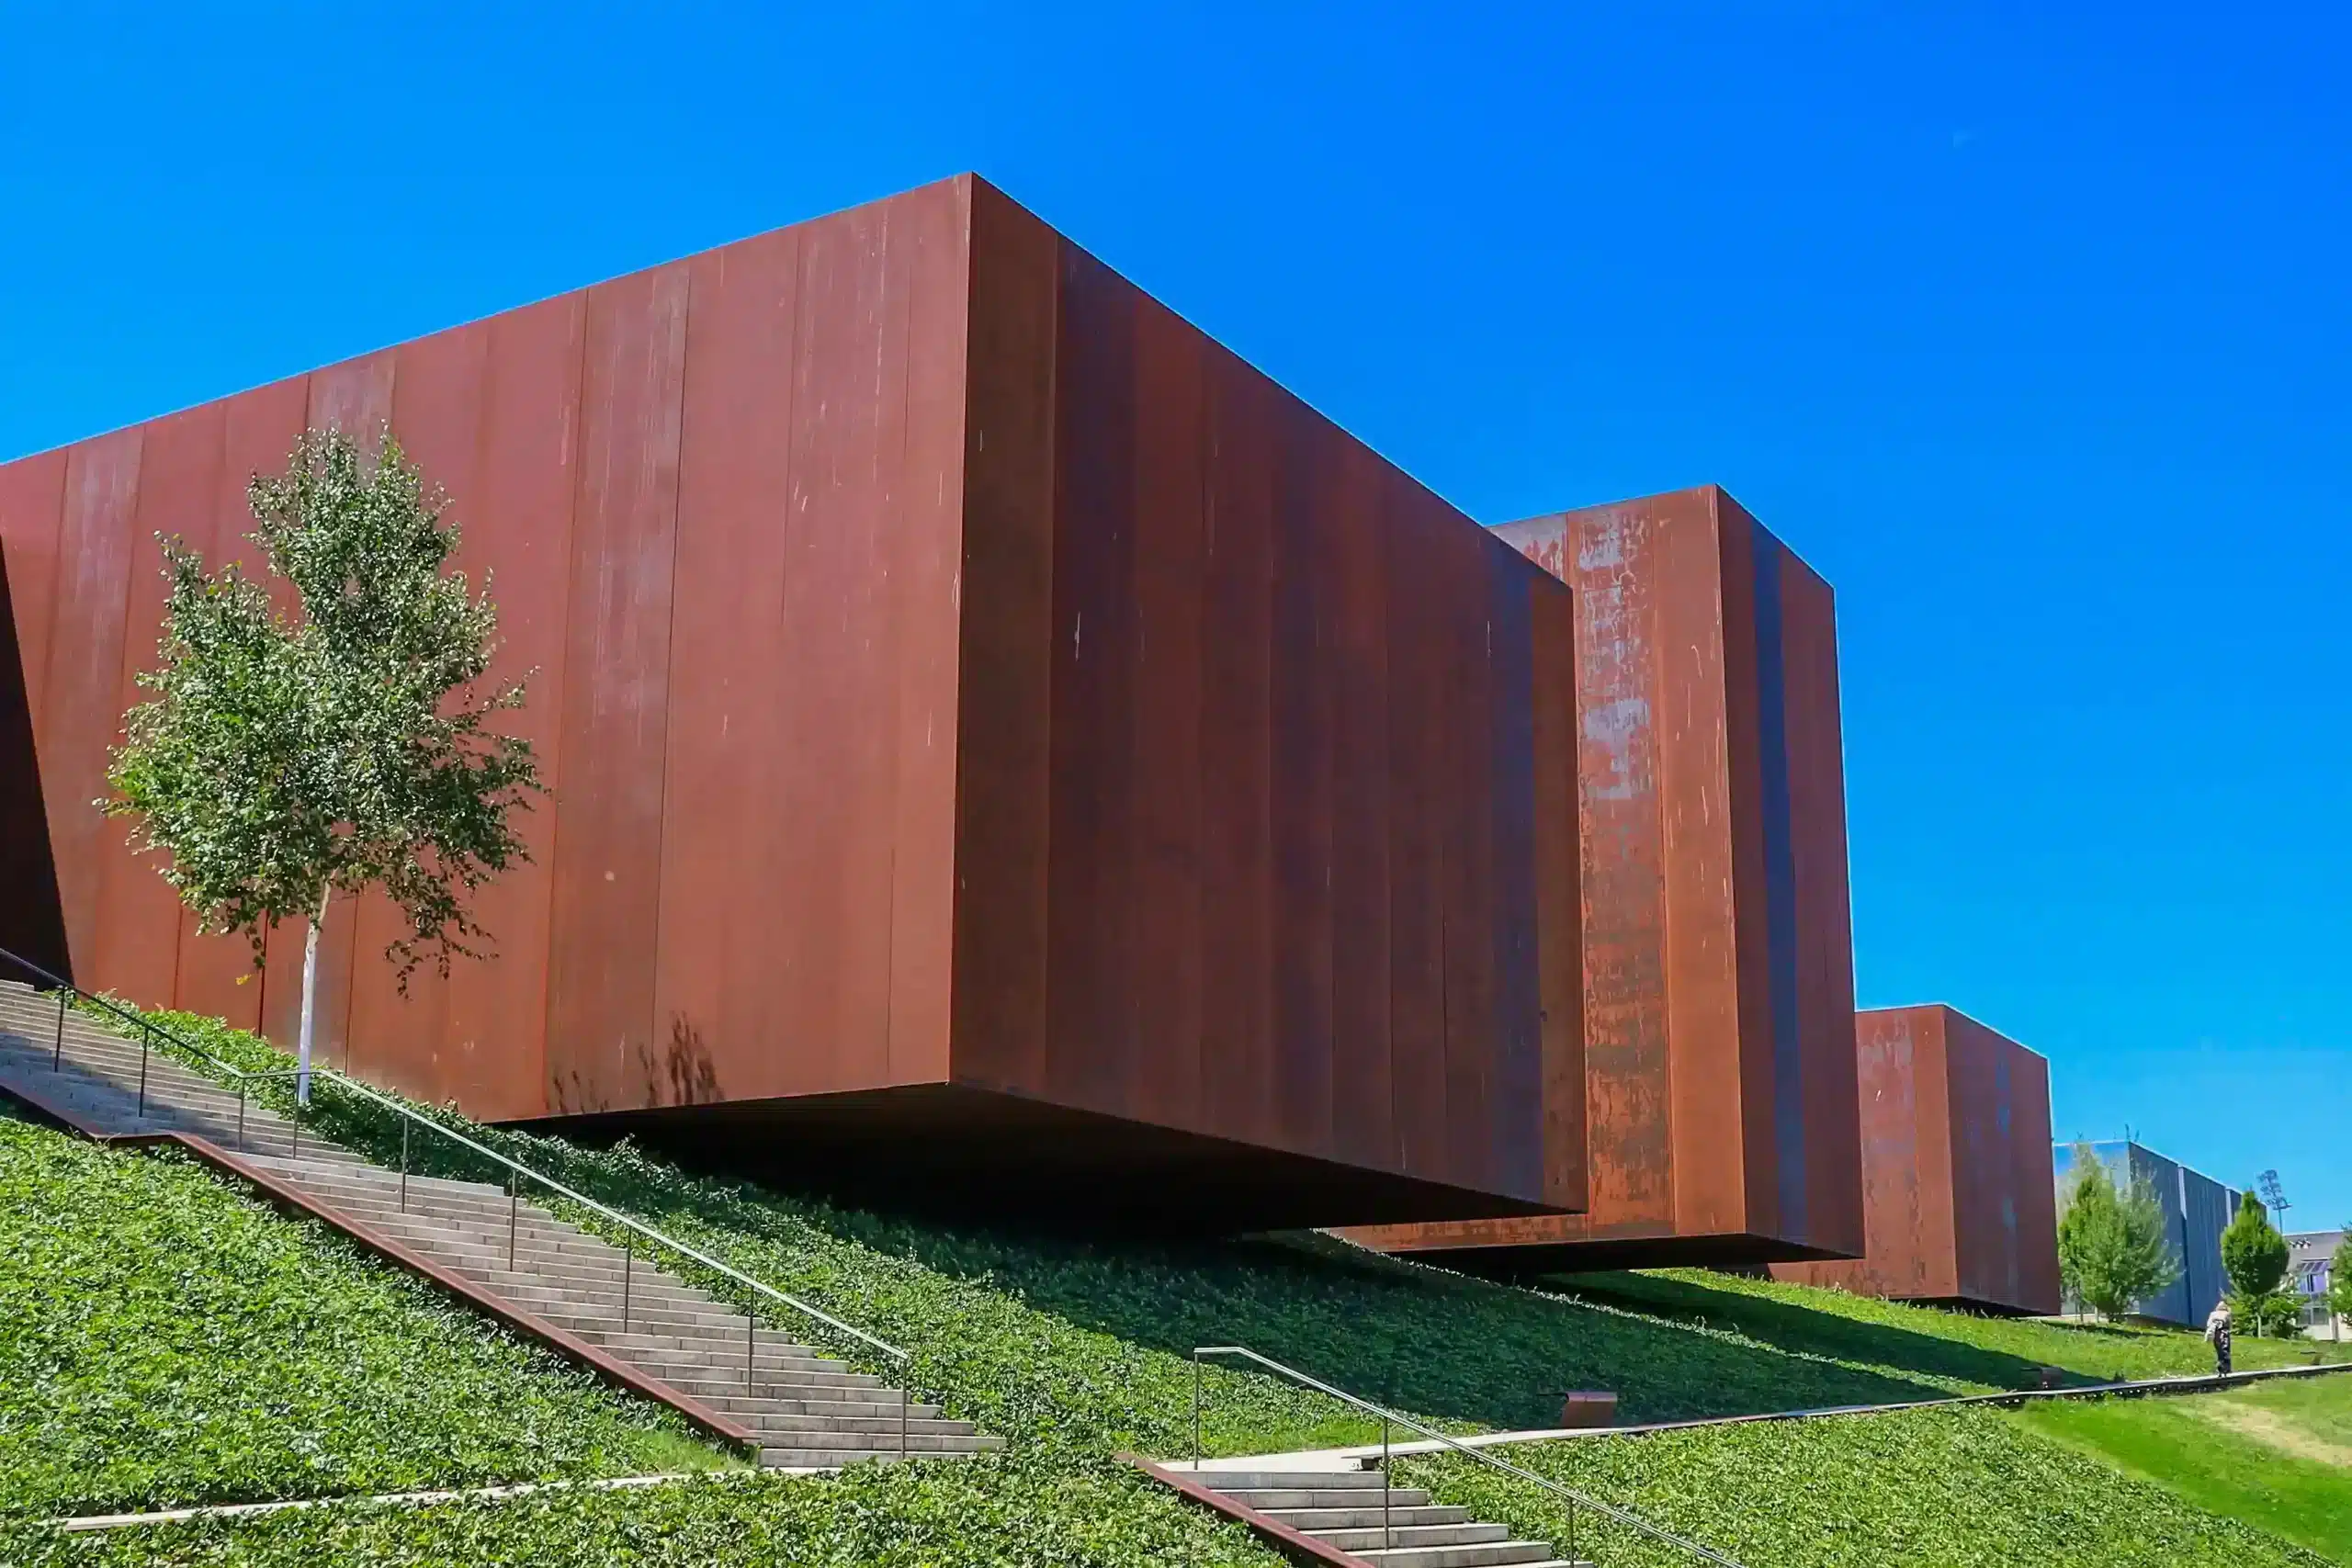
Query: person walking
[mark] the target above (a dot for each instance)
(2217, 1329)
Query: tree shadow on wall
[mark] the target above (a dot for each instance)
(682, 1072)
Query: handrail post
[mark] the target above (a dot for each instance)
(403, 1164)
(628, 1260)
(514, 1214)
(750, 1343)
(903, 1395)
(242, 1145)
(294, 1120)
(1387, 1536)
(1196, 1410)
(146, 1047)
(57, 1058)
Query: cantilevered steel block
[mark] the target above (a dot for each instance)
(1718, 970)
(1957, 1203)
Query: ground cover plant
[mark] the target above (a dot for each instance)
(169, 1340)
(983, 1513)
(1062, 1340)
(1074, 1350)
(1933, 1488)
(2276, 1454)
(1967, 1349)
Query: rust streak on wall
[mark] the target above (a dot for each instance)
(1718, 1102)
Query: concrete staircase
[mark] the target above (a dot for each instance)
(807, 1411)
(1342, 1509)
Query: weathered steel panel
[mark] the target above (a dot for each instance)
(1089, 911)
(32, 517)
(1418, 700)
(96, 555)
(1364, 1122)
(1558, 915)
(725, 899)
(1005, 649)
(1956, 1178)
(934, 241)
(602, 1051)
(1236, 1047)
(1299, 707)
(519, 535)
(1163, 721)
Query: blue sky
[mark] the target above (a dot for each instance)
(2033, 334)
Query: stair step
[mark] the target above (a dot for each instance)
(1267, 1500)
(1313, 1521)
(1483, 1555)
(807, 1411)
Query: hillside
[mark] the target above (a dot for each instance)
(1076, 1349)
(171, 1340)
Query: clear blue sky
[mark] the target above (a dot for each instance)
(2031, 335)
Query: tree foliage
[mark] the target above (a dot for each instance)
(2253, 1254)
(284, 757)
(2113, 1248)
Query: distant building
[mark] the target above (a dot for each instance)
(2310, 1257)
(2196, 1209)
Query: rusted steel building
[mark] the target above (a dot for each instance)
(1002, 742)
(1717, 964)
(1957, 1190)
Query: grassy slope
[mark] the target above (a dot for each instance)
(1073, 1349)
(1934, 1489)
(2279, 1455)
(1955, 1348)
(168, 1340)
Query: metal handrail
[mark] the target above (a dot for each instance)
(1575, 1499)
(517, 1170)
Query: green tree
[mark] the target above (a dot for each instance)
(2254, 1255)
(286, 756)
(2112, 1247)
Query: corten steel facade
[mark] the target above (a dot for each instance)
(1717, 962)
(1957, 1204)
(1001, 742)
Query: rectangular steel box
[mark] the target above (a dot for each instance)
(1004, 745)
(1956, 1175)
(1717, 961)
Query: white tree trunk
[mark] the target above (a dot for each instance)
(310, 1003)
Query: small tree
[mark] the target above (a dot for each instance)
(2254, 1255)
(284, 759)
(2112, 1251)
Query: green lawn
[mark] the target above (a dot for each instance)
(166, 1339)
(2277, 1455)
(1925, 1489)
